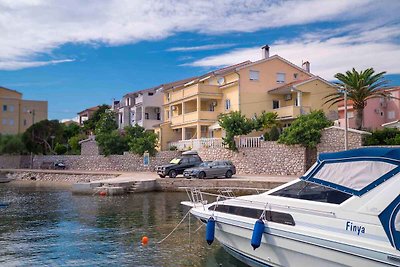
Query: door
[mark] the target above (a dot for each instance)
(183, 165)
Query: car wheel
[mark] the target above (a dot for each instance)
(202, 175)
(161, 176)
(228, 174)
(172, 174)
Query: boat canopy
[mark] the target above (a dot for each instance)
(355, 171)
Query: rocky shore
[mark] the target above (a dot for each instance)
(57, 177)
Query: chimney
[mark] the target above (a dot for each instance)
(306, 66)
(265, 51)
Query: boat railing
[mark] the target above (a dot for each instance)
(197, 197)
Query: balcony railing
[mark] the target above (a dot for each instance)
(194, 90)
(291, 111)
(214, 143)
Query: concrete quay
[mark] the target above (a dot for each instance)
(117, 183)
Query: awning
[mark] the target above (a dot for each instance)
(214, 126)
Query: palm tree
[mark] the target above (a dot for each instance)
(360, 87)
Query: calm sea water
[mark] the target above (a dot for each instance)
(50, 227)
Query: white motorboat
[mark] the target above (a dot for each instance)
(345, 211)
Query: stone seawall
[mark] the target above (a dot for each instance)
(127, 162)
(271, 158)
(57, 177)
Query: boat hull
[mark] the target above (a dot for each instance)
(279, 250)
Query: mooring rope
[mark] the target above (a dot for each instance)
(176, 227)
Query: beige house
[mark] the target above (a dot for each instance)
(271, 84)
(17, 114)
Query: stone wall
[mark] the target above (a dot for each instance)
(127, 162)
(332, 139)
(271, 158)
(89, 148)
(14, 162)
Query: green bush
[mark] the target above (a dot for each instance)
(12, 145)
(305, 130)
(274, 134)
(234, 124)
(112, 143)
(139, 140)
(60, 149)
(386, 136)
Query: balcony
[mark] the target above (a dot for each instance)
(194, 117)
(290, 112)
(193, 90)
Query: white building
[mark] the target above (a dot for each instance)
(142, 107)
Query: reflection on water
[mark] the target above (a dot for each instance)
(54, 228)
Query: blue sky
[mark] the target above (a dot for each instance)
(77, 56)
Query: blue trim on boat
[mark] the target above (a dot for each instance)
(387, 218)
(387, 155)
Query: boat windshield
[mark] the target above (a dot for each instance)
(175, 161)
(313, 192)
(397, 222)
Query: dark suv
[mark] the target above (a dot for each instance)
(176, 166)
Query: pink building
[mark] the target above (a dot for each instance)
(378, 111)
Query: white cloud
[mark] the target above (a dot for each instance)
(200, 48)
(35, 27)
(328, 53)
(16, 65)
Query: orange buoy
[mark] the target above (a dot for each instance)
(145, 240)
(103, 193)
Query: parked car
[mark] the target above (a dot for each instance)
(177, 165)
(211, 169)
(59, 165)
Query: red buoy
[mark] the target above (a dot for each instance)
(103, 193)
(145, 240)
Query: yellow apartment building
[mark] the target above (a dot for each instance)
(16, 114)
(272, 84)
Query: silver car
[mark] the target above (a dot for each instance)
(211, 169)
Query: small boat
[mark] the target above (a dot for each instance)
(344, 211)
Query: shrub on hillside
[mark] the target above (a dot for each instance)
(386, 136)
(305, 130)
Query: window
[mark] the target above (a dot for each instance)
(313, 192)
(227, 104)
(146, 116)
(272, 216)
(280, 77)
(150, 93)
(275, 104)
(211, 107)
(382, 114)
(11, 121)
(254, 75)
(11, 108)
(391, 114)
(295, 75)
(350, 114)
(4, 107)
(128, 101)
(168, 96)
(4, 121)
(24, 122)
(158, 116)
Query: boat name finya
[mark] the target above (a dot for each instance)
(355, 228)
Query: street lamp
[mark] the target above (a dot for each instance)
(343, 90)
(33, 132)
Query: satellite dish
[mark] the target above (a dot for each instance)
(221, 81)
